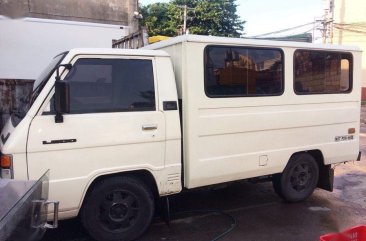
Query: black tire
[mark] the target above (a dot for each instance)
(299, 179)
(118, 209)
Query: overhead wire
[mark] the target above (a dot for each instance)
(349, 29)
(283, 30)
(361, 24)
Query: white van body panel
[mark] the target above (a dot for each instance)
(105, 143)
(226, 139)
(223, 139)
(108, 150)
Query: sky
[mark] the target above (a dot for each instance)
(264, 16)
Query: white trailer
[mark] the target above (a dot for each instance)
(118, 130)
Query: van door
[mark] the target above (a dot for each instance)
(114, 126)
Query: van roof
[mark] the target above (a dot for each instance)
(111, 51)
(246, 41)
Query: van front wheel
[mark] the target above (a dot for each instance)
(299, 179)
(118, 208)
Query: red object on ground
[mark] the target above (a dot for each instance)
(357, 233)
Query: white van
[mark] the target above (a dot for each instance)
(119, 128)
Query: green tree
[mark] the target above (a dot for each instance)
(205, 17)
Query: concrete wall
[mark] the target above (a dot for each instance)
(13, 94)
(118, 12)
(27, 45)
(350, 15)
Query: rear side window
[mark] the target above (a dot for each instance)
(111, 85)
(322, 72)
(243, 72)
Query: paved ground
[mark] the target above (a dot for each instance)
(259, 213)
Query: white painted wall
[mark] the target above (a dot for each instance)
(352, 13)
(27, 45)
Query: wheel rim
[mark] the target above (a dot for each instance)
(301, 177)
(119, 210)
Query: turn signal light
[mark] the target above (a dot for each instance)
(5, 161)
(351, 131)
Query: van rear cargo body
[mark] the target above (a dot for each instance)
(232, 136)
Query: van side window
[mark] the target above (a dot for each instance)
(243, 71)
(322, 72)
(111, 85)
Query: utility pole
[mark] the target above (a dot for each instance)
(185, 13)
(331, 15)
(327, 22)
(185, 19)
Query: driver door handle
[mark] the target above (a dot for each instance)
(149, 127)
(59, 141)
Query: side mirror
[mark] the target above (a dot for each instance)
(62, 95)
(62, 100)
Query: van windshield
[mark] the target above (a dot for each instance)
(39, 84)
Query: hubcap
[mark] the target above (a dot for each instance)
(118, 210)
(301, 177)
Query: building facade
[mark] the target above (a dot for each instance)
(116, 12)
(32, 32)
(349, 28)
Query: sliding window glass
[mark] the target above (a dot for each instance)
(243, 71)
(322, 72)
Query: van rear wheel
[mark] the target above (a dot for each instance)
(118, 208)
(299, 179)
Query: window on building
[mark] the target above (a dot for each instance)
(322, 72)
(111, 85)
(242, 71)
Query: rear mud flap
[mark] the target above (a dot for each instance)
(326, 178)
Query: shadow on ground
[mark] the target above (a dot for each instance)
(260, 215)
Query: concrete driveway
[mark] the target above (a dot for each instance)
(259, 213)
